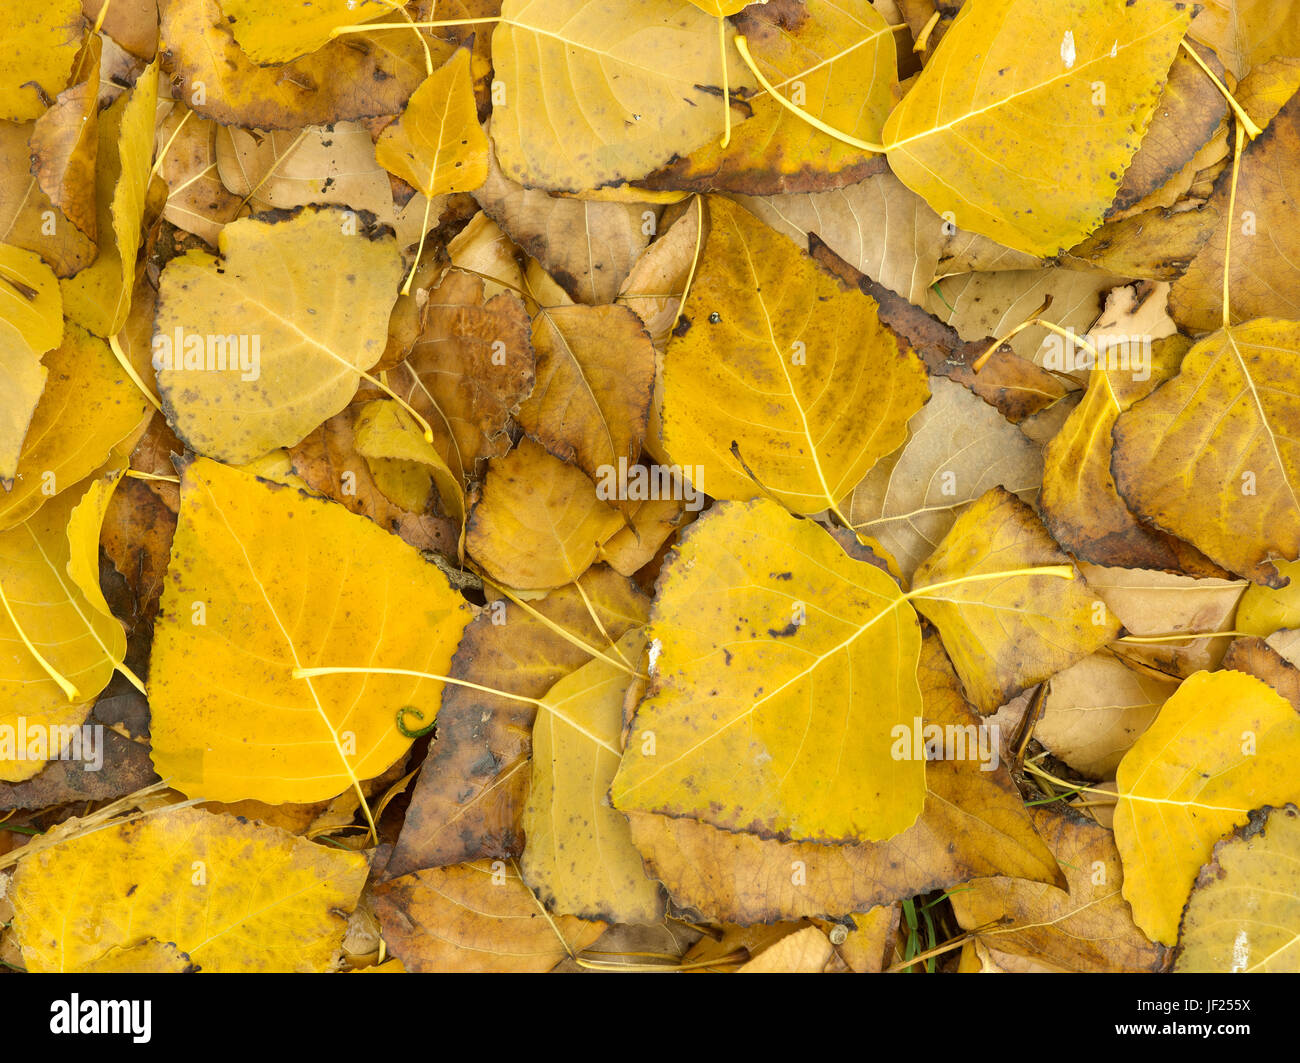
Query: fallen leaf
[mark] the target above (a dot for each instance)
(229, 895)
(31, 323)
(475, 917)
(1244, 913)
(41, 45)
(1182, 786)
(784, 381)
(244, 367)
(236, 593)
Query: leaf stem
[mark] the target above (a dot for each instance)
(1232, 214)
(742, 46)
(1055, 571)
(308, 673)
(64, 684)
(726, 87)
(1252, 130)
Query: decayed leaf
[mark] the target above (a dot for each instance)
(1223, 745)
(65, 143)
(245, 366)
(588, 246)
(475, 917)
(755, 617)
(839, 61)
(1157, 605)
(25, 211)
(1018, 146)
(357, 77)
(538, 522)
(1005, 636)
(579, 855)
(1244, 912)
(41, 42)
(436, 145)
(230, 895)
(237, 593)
(53, 610)
(594, 100)
(957, 448)
(89, 406)
(471, 790)
(1087, 927)
(468, 371)
(974, 823)
(1264, 264)
(1272, 660)
(879, 226)
(785, 365)
(1096, 710)
(31, 323)
(1226, 422)
(197, 201)
(591, 398)
(328, 462)
(99, 296)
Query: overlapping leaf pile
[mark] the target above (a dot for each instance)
(775, 487)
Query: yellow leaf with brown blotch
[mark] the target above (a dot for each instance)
(41, 43)
(31, 323)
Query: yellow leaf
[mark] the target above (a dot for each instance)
(241, 612)
(475, 917)
(593, 99)
(88, 407)
(786, 365)
(231, 895)
(1006, 635)
(1224, 744)
(1263, 610)
(579, 854)
(245, 364)
(99, 297)
(272, 32)
(538, 522)
(1226, 422)
(780, 668)
(1244, 913)
(1027, 144)
(31, 323)
(974, 824)
(436, 145)
(54, 622)
(838, 61)
(385, 433)
(41, 42)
